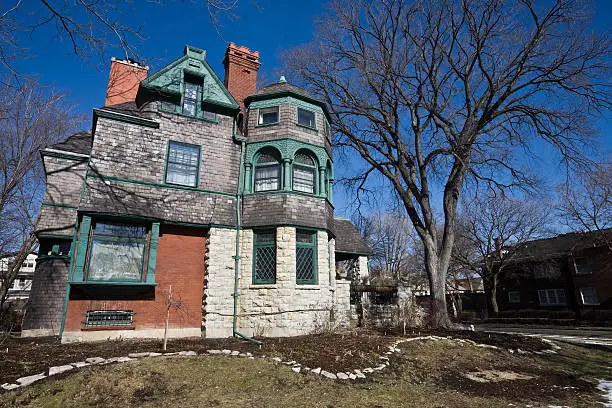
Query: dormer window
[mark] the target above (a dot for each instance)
(306, 118)
(268, 116)
(191, 97)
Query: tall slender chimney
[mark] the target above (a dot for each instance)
(241, 66)
(123, 81)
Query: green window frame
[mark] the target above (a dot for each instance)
(264, 257)
(306, 257)
(182, 164)
(190, 103)
(268, 172)
(306, 118)
(117, 252)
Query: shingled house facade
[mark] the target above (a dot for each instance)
(212, 195)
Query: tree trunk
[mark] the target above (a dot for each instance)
(493, 298)
(437, 285)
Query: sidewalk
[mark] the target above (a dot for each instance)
(600, 336)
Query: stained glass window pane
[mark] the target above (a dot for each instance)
(304, 158)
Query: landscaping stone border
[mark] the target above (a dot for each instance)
(355, 374)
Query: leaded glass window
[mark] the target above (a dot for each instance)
(190, 98)
(306, 118)
(267, 171)
(304, 173)
(264, 254)
(97, 318)
(305, 257)
(268, 116)
(117, 252)
(183, 164)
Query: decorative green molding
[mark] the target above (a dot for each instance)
(286, 100)
(152, 253)
(288, 147)
(54, 236)
(253, 100)
(112, 283)
(71, 207)
(170, 79)
(83, 240)
(158, 185)
(103, 113)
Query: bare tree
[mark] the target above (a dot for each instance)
(431, 94)
(492, 232)
(91, 27)
(31, 118)
(586, 201)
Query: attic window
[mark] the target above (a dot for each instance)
(268, 116)
(191, 97)
(306, 118)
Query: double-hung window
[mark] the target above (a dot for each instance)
(268, 116)
(264, 255)
(191, 96)
(551, 297)
(306, 118)
(304, 173)
(267, 171)
(183, 164)
(117, 252)
(306, 257)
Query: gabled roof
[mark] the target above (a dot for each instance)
(168, 80)
(348, 239)
(77, 143)
(562, 245)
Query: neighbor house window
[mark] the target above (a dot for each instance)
(117, 252)
(183, 164)
(304, 173)
(306, 118)
(267, 171)
(268, 116)
(582, 266)
(264, 255)
(191, 98)
(306, 257)
(514, 297)
(551, 297)
(589, 296)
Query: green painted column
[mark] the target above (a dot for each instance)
(81, 246)
(247, 178)
(321, 183)
(330, 193)
(153, 253)
(287, 174)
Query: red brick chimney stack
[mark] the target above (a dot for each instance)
(123, 81)
(241, 66)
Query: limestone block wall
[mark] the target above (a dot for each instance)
(218, 302)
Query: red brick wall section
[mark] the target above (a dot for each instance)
(180, 263)
(123, 81)
(241, 65)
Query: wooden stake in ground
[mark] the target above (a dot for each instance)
(168, 306)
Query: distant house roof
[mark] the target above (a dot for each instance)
(126, 108)
(348, 239)
(278, 87)
(77, 143)
(563, 245)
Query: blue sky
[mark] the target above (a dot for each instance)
(264, 25)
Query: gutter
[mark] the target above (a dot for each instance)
(239, 196)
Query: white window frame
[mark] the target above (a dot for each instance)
(551, 297)
(314, 118)
(263, 111)
(593, 294)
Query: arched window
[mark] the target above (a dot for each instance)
(267, 171)
(304, 173)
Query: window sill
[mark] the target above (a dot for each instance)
(590, 304)
(181, 186)
(263, 125)
(263, 286)
(307, 127)
(308, 286)
(102, 328)
(216, 121)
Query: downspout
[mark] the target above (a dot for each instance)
(239, 196)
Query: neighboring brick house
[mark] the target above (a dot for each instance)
(569, 275)
(215, 191)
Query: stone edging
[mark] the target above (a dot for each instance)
(295, 366)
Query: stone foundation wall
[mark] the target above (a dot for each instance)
(271, 310)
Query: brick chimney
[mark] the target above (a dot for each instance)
(123, 81)
(241, 65)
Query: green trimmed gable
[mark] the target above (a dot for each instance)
(169, 81)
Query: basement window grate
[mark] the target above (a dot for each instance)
(97, 318)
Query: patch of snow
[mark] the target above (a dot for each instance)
(606, 387)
